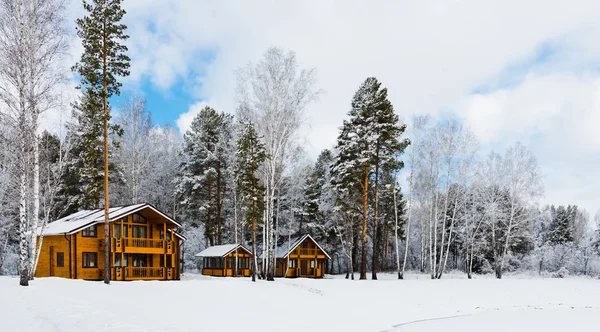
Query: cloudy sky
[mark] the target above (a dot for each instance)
(522, 70)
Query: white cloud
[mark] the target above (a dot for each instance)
(430, 55)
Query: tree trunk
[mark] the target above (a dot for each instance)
(255, 260)
(376, 236)
(400, 272)
(219, 235)
(106, 206)
(363, 263)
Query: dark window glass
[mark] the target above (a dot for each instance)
(60, 259)
(90, 231)
(138, 219)
(169, 261)
(89, 259)
(139, 232)
(117, 260)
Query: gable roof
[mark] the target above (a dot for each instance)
(85, 218)
(283, 251)
(221, 250)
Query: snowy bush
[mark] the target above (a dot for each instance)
(562, 273)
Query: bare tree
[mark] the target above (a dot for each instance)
(274, 94)
(32, 44)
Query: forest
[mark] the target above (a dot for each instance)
(393, 194)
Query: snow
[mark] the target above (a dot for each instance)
(80, 219)
(199, 303)
(219, 251)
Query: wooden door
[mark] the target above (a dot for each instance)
(303, 267)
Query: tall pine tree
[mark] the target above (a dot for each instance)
(203, 171)
(250, 156)
(102, 62)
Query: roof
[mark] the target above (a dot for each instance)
(85, 218)
(283, 251)
(220, 251)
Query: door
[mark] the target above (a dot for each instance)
(303, 267)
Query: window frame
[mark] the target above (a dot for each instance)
(60, 259)
(86, 232)
(85, 260)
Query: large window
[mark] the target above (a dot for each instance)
(139, 260)
(138, 219)
(60, 259)
(118, 261)
(89, 232)
(139, 232)
(210, 262)
(292, 264)
(89, 259)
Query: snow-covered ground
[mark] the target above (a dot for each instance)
(333, 304)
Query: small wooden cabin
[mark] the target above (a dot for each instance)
(301, 257)
(144, 245)
(219, 261)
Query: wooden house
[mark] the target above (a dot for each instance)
(219, 261)
(301, 257)
(144, 245)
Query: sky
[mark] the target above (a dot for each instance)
(526, 70)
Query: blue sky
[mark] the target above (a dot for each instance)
(511, 70)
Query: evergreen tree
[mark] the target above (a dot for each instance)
(250, 156)
(561, 230)
(368, 141)
(102, 62)
(204, 170)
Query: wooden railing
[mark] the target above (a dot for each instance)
(144, 272)
(144, 243)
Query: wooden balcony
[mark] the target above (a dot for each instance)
(143, 246)
(145, 273)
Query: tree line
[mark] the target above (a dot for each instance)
(242, 175)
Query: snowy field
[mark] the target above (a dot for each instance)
(333, 304)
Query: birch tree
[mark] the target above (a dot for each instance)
(274, 94)
(32, 44)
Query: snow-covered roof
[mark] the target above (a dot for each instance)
(283, 251)
(221, 250)
(85, 218)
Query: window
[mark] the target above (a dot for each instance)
(138, 219)
(89, 259)
(312, 264)
(162, 261)
(117, 260)
(117, 231)
(60, 259)
(139, 260)
(168, 236)
(292, 264)
(169, 261)
(89, 232)
(161, 233)
(139, 232)
(304, 244)
(230, 263)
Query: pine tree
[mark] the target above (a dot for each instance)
(204, 170)
(368, 141)
(102, 62)
(250, 156)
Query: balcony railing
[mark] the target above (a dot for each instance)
(144, 272)
(144, 243)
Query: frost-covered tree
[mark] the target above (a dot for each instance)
(273, 94)
(249, 158)
(32, 45)
(204, 171)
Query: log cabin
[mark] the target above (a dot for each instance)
(144, 245)
(301, 257)
(219, 261)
